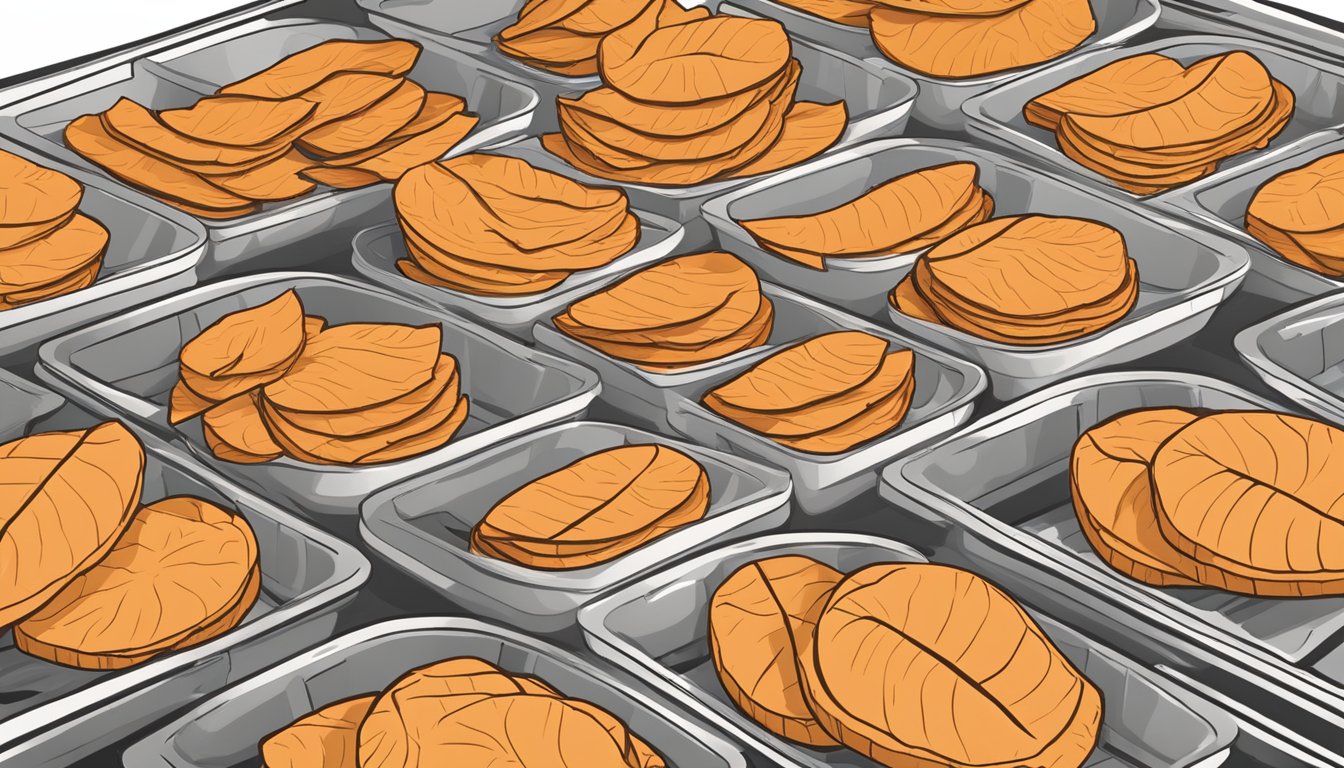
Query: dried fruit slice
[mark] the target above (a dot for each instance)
(444, 383)
(853, 13)
(809, 129)
(762, 618)
(667, 358)
(343, 95)
(955, 7)
(1242, 494)
(358, 365)
(327, 738)
(390, 164)
(142, 129)
(673, 293)
(80, 488)
(252, 342)
(1132, 83)
(69, 249)
(238, 121)
(37, 200)
(436, 110)
(182, 552)
(563, 37)
(369, 127)
(436, 423)
(880, 416)
(276, 180)
(235, 431)
(341, 178)
(1111, 483)
(959, 46)
(805, 374)
(986, 685)
(184, 404)
(76, 281)
(300, 71)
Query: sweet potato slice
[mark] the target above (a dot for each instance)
(301, 71)
(345, 94)
(805, 374)
(249, 342)
(68, 249)
(1242, 494)
(809, 129)
(37, 200)
(279, 179)
(970, 46)
(238, 121)
(340, 178)
(660, 358)
(237, 429)
(368, 127)
(988, 688)
(141, 128)
(1111, 483)
(358, 365)
(80, 488)
(955, 7)
(390, 164)
(327, 738)
(761, 619)
(475, 274)
(881, 416)
(1132, 83)
(669, 294)
(184, 404)
(1304, 199)
(436, 110)
(852, 13)
(445, 382)
(708, 59)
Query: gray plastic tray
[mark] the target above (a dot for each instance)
(939, 102)
(1183, 274)
(1018, 496)
(295, 232)
(224, 731)
(1318, 84)
(127, 366)
(1219, 204)
(153, 251)
(656, 628)
(377, 250)
(52, 715)
(1300, 353)
(423, 524)
(946, 389)
(22, 404)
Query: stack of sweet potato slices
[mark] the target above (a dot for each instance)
(814, 655)
(906, 214)
(972, 38)
(111, 583)
(270, 382)
(562, 36)
(825, 395)
(1242, 501)
(490, 225)
(342, 113)
(706, 99)
(47, 248)
(682, 312)
(1298, 215)
(1024, 280)
(596, 509)
(460, 711)
(1148, 123)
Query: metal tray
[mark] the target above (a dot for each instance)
(23, 404)
(127, 366)
(1300, 353)
(153, 251)
(377, 250)
(645, 397)
(996, 116)
(1183, 274)
(224, 732)
(295, 232)
(1018, 497)
(946, 389)
(939, 102)
(52, 715)
(1219, 204)
(656, 629)
(423, 524)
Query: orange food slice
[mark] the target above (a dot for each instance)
(340, 178)
(805, 374)
(672, 293)
(279, 179)
(1303, 200)
(444, 383)
(301, 71)
(37, 200)
(1131, 83)
(358, 365)
(853, 13)
(235, 431)
(238, 121)
(327, 738)
(436, 110)
(390, 164)
(67, 250)
(139, 127)
(369, 127)
(252, 342)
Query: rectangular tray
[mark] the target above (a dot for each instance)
(1018, 498)
(224, 731)
(938, 104)
(1300, 353)
(286, 234)
(53, 715)
(127, 366)
(1219, 204)
(656, 629)
(423, 524)
(152, 251)
(1318, 84)
(946, 390)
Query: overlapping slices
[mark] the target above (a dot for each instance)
(270, 381)
(92, 579)
(682, 312)
(971, 38)
(814, 655)
(490, 225)
(711, 98)
(905, 214)
(562, 36)
(342, 113)
(47, 248)
(459, 711)
(1242, 501)
(1297, 213)
(1023, 280)
(826, 395)
(596, 509)
(1148, 123)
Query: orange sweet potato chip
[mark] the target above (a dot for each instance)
(853, 13)
(303, 70)
(675, 292)
(182, 552)
(358, 365)
(278, 179)
(236, 431)
(340, 178)
(139, 127)
(69, 249)
(436, 110)
(238, 121)
(444, 383)
(327, 738)
(805, 374)
(1134, 82)
(390, 164)
(259, 341)
(37, 200)
(368, 127)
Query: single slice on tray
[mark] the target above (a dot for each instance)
(327, 738)
(1305, 199)
(36, 200)
(238, 121)
(185, 571)
(301, 71)
(256, 342)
